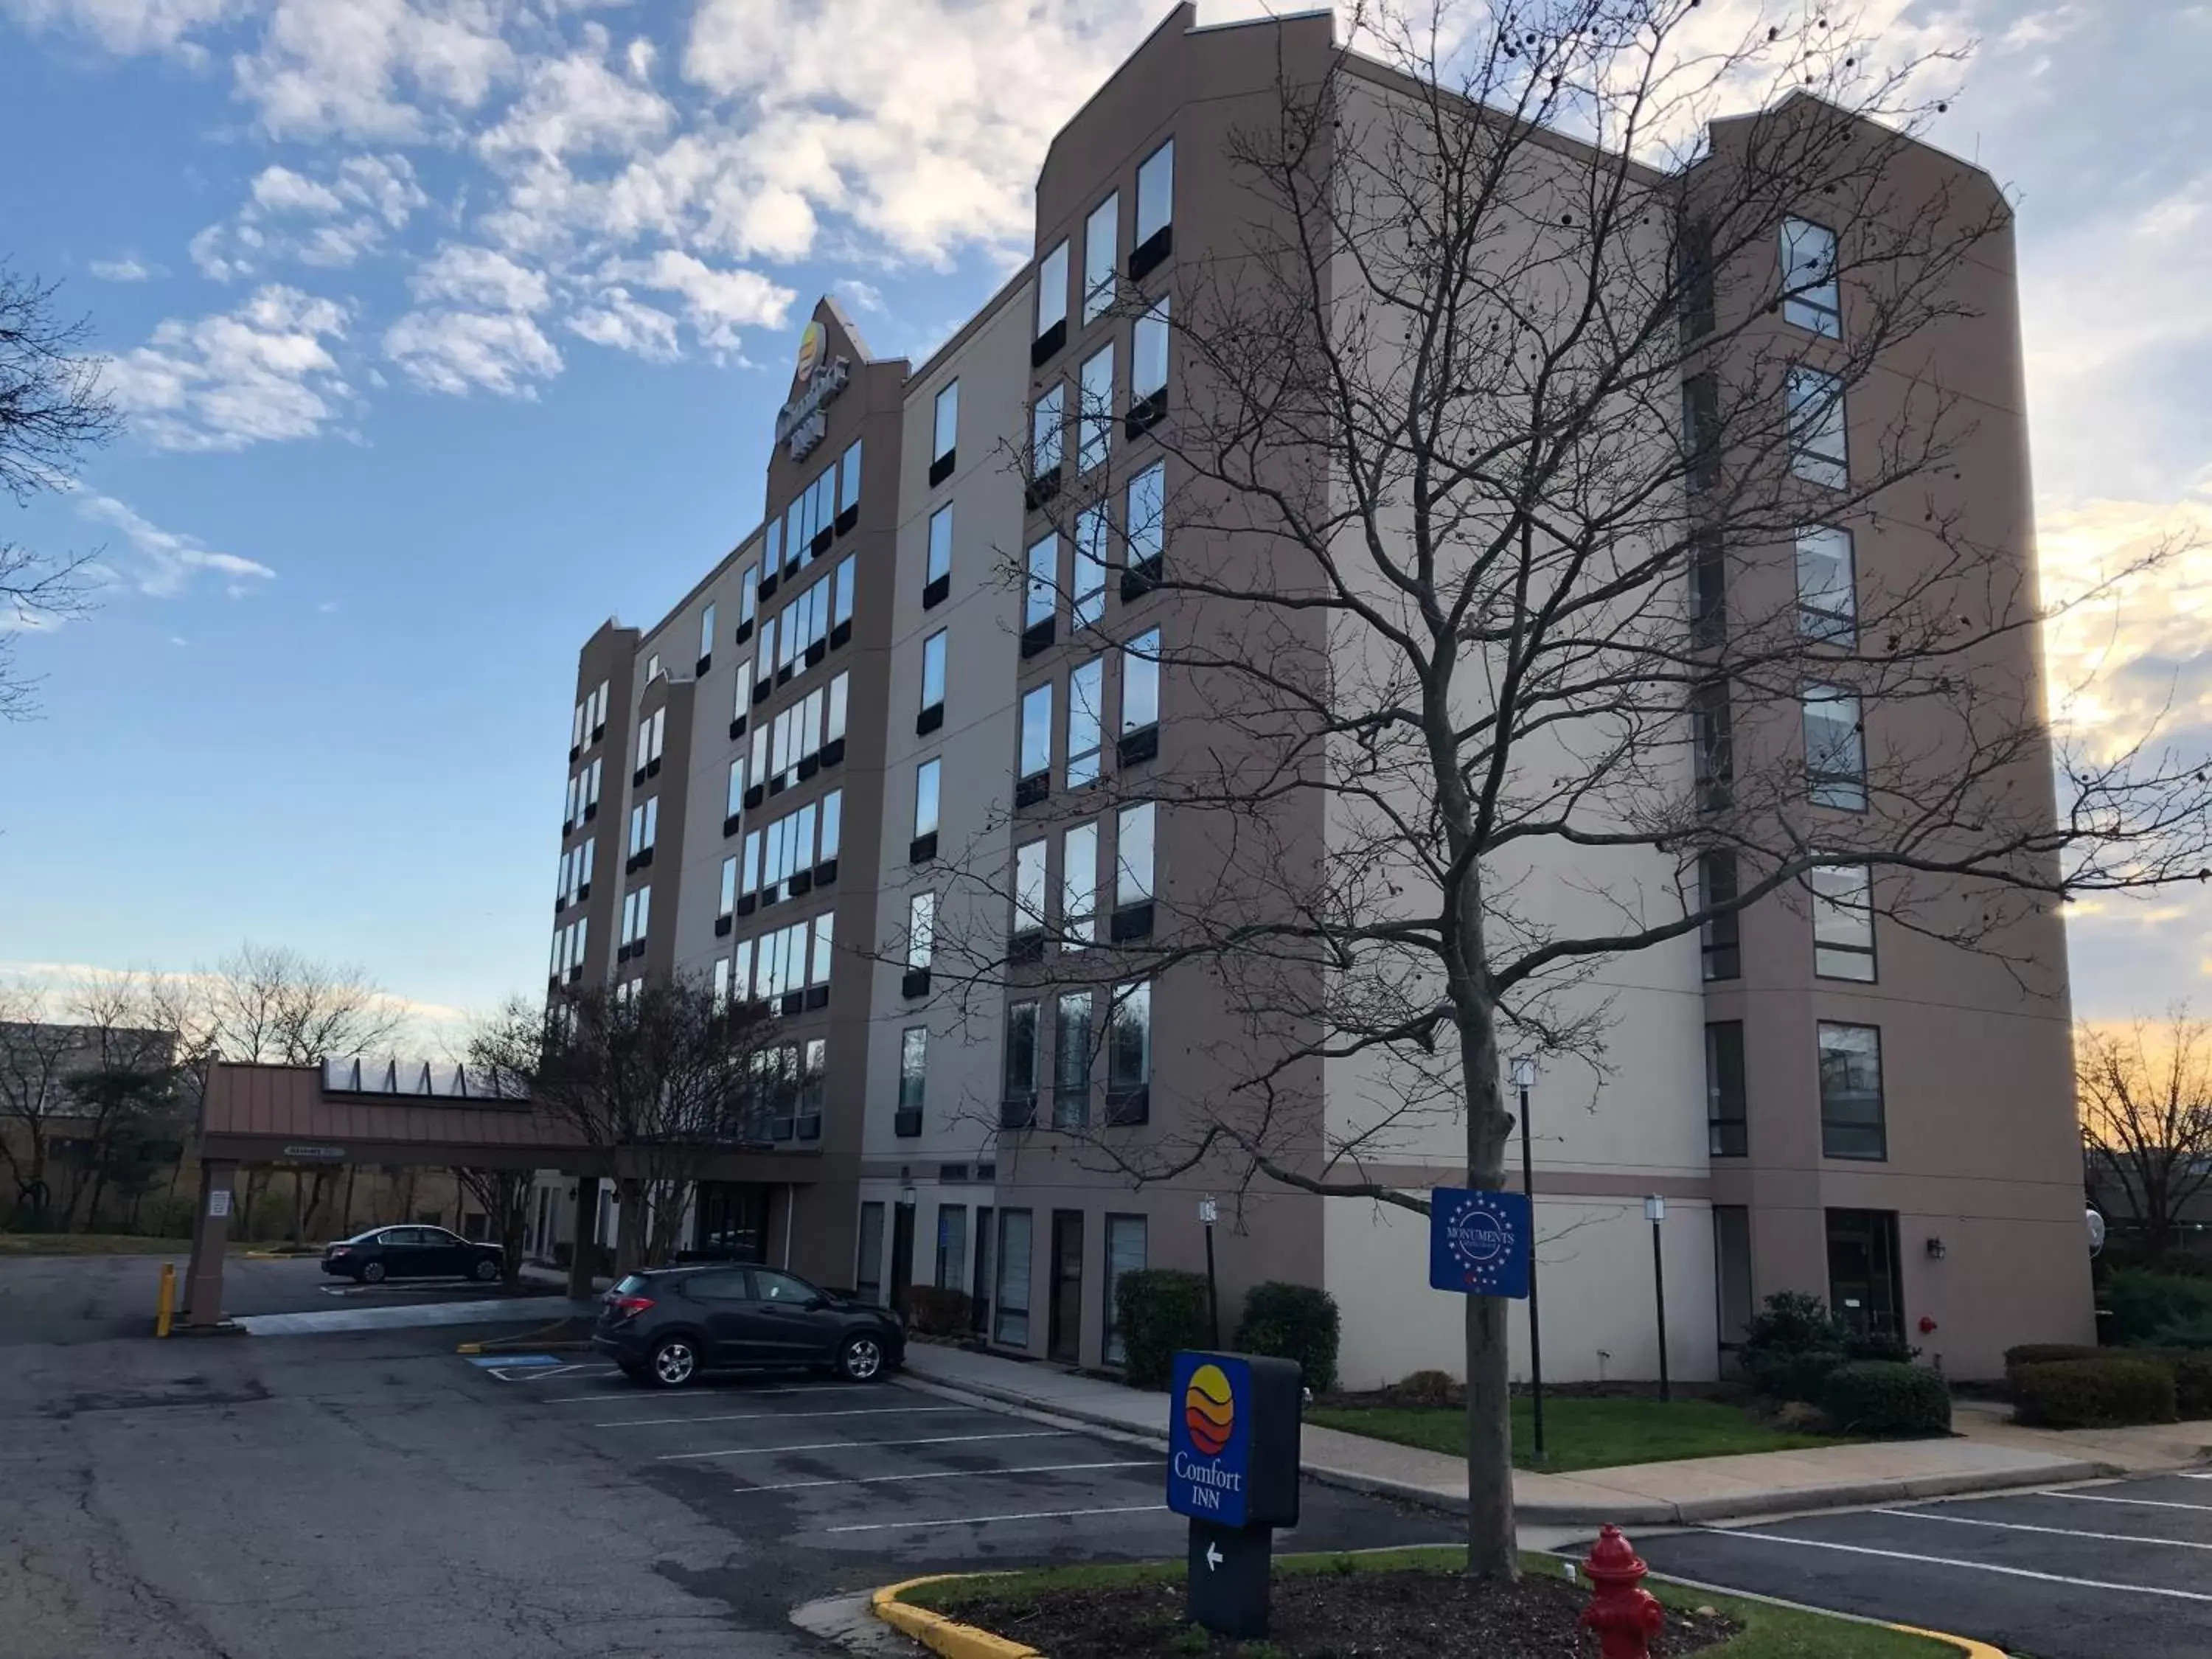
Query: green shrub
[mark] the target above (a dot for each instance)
(1793, 1376)
(1159, 1311)
(2042, 1353)
(1292, 1322)
(936, 1312)
(2145, 1304)
(1880, 1345)
(1884, 1397)
(1427, 1387)
(2095, 1393)
(2192, 1386)
(1792, 1345)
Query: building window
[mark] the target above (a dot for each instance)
(1041, 590)
(1693, 273)
(748, 864)
(644, 825)
(1051, 291)
(913, 1075)
(1148, 367)
(1708, 588)
(707, 633)
(1727, 1133)
(1078, 886)
(1070, 1062)
(1100, 251)
(1144, 528)
(741, 971)
(1129, 1040)
(940, 545)
(1011, 1320)
(868, 1269)
(1701, 430)
(1133, 855)
(925, 799)
(591, 791)
(1028, 887)
(1827, 586)
(652, 667)
(945, 432)
(1835, 748)
(1125, 1254)
(1851, 1092)
(1141, 682)
(848, 474)
(1810, 297)
(952, 1247)
(1842, 921)
(721, 988)
(1036, 731)
(932, 671)
(835, 729)
(1713, 741)
(1048, 420)
(1155, 194)
(1720, 937)
(920, 930)
(1021, 1063)
(729, 895)
(833, 815)
(749, 586)
(1086, 690)
(1094, 413)
(636, 916)
(849, 579)
(1818, 450)
(1087, 597)
(1866, 1289)
(734, 801)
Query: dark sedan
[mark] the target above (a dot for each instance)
(667, 1326)
(383, 1253)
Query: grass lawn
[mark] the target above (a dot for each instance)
(1582, 1434)
(1767, 1632)
(91, 1244)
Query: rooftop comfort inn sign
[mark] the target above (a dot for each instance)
(803, 421)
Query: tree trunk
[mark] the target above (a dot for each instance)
(629, 1226)
(345, 1221)
(1492, 1550)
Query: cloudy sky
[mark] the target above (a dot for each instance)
(448, 327)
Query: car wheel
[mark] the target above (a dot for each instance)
(486, 1270)
(373, 1274)
(861, 1358)
(675, 1362)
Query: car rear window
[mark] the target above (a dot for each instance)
(630, 1285)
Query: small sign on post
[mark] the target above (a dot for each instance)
(219, 1201)
(1233, 1432)
(1480, 1242)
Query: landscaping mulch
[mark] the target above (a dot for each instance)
(1331, 1615)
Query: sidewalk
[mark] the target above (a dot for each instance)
(1987, 1455)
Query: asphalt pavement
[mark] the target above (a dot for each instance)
(2118, 1570)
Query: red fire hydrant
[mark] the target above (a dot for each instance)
(1625, 1617)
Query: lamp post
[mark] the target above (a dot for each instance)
(1654, 1211)
(1208, 1213)
(1525, 1076)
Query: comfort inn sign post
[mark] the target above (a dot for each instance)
(1233, 1469)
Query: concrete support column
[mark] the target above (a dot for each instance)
(211, 1233)
(587, 1220)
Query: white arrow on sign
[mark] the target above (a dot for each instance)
(1213, 1556)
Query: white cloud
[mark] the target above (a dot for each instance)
(168, 560)
(279, 189)
(453, 351)
(262, 372)
(131, 25)
(867, 296)
(366, 197)
(121, 270)
(378, 69)
(716, 303)
(578, 104)
(466, 276)
(617, 320)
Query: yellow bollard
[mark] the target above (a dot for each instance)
(168, 1302)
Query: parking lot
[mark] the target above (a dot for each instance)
(2122, 1568)
(843, 1475)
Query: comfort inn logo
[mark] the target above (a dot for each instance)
(1209, 1411)
(1210, 1435)
(812, 341)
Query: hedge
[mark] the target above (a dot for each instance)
(1885, 1397)
(1159, 1311)
(2159, 1310)
(939, 1312)
(1292, 1322)
(2191, 1369)
(2095, 1393)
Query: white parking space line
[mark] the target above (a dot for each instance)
(573, 1373)
(787, 1417)
(606, 1394)
(1969, 1566)
(2140, 1503)
(862, 1445)
(951, 1474)
(984, 1519)
(2055, 1532)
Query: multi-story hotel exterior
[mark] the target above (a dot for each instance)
(868, 732)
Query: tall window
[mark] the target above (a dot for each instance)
(1099, 252)
(1141, 682)
(1144, 529)
(722, 992)
(1078, 885)
(1720, 937)
(1048, 420)
(1087, 595)
(707, 632)
(1070, 1062)
(1040, 592)
(1036, 731)
(1129, 1040)
(1028, 886)
(1155, 194)
(833, 815)
(849, 579)
(868, 1271)
(1835, 748)
(1818, 450)
(1094, 414)
(748, 584)
(1726, 1108)
(952, 1247)
(1842, 921)
(1713, 743)
(1021, 1053)
(1125, 1254)
(834, 731)
(729, 895)
(848, 473)
(1810, 297)
(925, 799)
(1827, 586)
(914, 1072)
(1148, 363)
(1133, 855)
(940, 544)
(1086, 691)
(932, 671)
(945, 428)
(825, 948)
(1701, 430)
(1708, 588)
(920, 930)
(1052, 290)
(1851, 1092)
(1011, 1307)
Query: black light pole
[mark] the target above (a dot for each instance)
(1524, 1074)
(1208, 1212)
(1654, 1211)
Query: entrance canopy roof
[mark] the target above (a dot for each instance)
(292, 1114)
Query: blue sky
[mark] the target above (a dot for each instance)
(449, 327)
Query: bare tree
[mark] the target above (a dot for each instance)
(53, 408)
(37, 1054)
(2146, 1102)
(659, 1078)
(505, 1196)
(1485, 577)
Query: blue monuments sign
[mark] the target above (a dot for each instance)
(1480, 1242)
(1210, 1438)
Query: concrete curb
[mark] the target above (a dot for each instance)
(937, 1632)
(1965, 1644)
(1626, 1513)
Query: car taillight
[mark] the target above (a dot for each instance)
(629, 1307)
